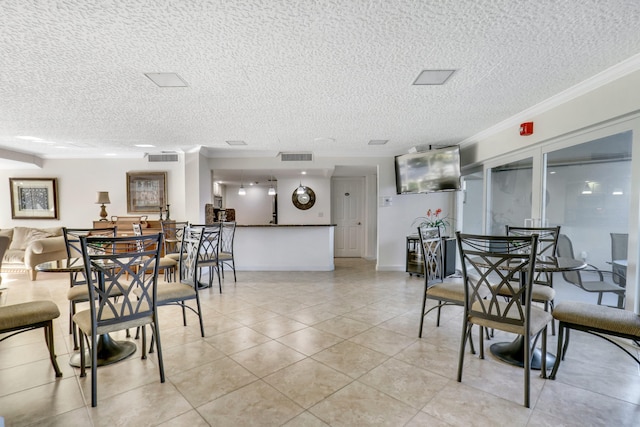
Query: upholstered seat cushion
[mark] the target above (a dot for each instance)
(539, 318)
(447, 290)
(18, 315)
(83, 320)
(598, 317)
(167, 292)
(539, 293)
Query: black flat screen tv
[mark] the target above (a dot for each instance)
(428, 171)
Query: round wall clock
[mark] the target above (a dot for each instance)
(305, 200)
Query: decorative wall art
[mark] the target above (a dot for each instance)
(34, 198)
(146, 191)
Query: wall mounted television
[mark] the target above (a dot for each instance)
(428, 171)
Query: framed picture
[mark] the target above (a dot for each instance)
(34, 198)
(146, 191)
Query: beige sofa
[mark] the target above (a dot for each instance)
(32, 246)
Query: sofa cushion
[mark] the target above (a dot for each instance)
(7, 232)
(22, 236)
(13, 256)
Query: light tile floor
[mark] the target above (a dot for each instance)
(309, 349)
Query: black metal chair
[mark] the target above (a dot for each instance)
(172, 231)
(494, 262)
(23, 317)
(542, 290)
(600, 285)
(225, 253)
(120, 271)
(208, 253)
(167, 265)
(187, 287)
(436, 287)
(78, 291)
(619, 243)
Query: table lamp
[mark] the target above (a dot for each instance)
(103, 199)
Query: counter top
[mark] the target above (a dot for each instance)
(285, 225)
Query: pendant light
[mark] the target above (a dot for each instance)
(241, 190)
(272, 190)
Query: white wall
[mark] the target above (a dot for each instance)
(80, 179)
(254, 208)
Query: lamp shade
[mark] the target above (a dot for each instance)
(103, 198)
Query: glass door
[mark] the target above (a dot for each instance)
(510, 197)
(588, 189)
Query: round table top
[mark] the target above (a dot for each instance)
(544, 263)
(62, 266)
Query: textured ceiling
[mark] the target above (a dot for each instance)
(324, 76)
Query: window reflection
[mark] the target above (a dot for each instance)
(588, 194)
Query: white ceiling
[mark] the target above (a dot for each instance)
(324, 76)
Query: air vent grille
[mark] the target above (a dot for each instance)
(163, 157)
(296, 157)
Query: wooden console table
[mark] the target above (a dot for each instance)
(125, 225)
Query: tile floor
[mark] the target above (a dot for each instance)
(308, 349)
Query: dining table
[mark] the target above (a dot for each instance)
(108, 350)
(513, 352)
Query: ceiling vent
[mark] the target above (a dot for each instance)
(163, 157)
(296, 157)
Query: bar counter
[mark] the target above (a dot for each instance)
(284, 247)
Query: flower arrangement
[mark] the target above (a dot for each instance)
(432, 219)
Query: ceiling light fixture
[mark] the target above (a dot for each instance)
(587, 188)
(617, 192)
(301, 188)
(236, 142)
(378, 141)
(433, 77)
(241, 190)
(144, 145)
(272, 190)
(166, 79)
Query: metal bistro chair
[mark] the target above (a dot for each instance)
(225, 253)
(619, 243)
(444, 291)
(599, 286)
(134, 309)
(208, 253)
(496, 260)
(187, 287)
(542, 291)
(78, 291)
(167, 265)
(172, 231)
(18, 318)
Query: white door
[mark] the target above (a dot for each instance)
(348, 207)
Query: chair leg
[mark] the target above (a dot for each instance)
(481, 341)
(200, 317)
(559, 352)
(144, 341)
(156, 333)
(424, 303)
(94, 369)
(48, 336)
(83, 361)
(543, 366)
(466, 330)
(599, 298)
(566, 342)
(527, 369)
(438, 315)
(184, 313)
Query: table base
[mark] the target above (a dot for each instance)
(513, 354)
(109, 351)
